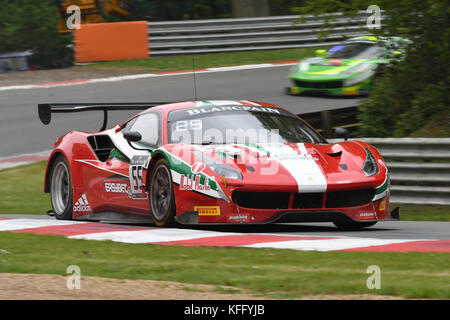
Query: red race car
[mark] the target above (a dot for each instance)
(213, 162)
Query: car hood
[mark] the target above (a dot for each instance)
(297, 167)
(320, 69)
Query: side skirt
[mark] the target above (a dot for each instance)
(116, 217)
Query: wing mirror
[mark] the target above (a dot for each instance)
(132, 136)
(341, 133)
(320, 53)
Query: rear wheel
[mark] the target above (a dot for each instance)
(61, 192)
(353, 225)
(162, 199)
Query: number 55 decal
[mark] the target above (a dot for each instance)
(137, 165)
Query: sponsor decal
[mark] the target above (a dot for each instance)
(137, 165)
(198, 167)
(116, 187)
(335, 62)
(294, 90)
(179, 167)
(383, 205)
(207, 210)
(237, 218)
(297, 157)
(82, 205)
(366, 216)
(200, 110)
(183, 125)
(192, 183)
(382, 190)
(221, 151)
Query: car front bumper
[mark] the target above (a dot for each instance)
(361, 88)
(220, 212)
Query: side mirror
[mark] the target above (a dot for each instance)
(132, 136)
(320, 53)
(341, 133)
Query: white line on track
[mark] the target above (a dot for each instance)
(203, 237)
(145, 75)
(328, 245)
(151, 235)
(18, 160)
(18, 224)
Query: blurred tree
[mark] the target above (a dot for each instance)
(414, 91)
(29, 24)
(283, 7)
(160, 10)
(250, 8)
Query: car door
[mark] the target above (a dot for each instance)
(129, 160)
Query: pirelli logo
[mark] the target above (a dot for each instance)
(208, 210)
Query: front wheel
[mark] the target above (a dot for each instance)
(61, 192)
(162, 199)
(353, 225)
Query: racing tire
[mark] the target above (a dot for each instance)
(161, 195)
(353, 225)
(61, 191)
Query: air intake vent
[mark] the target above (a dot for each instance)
(351, 198)
(102, 146)
(307, 200)
(261, 200)
(319, 85)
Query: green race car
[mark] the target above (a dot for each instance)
(348, 68)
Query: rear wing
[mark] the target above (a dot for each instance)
(45, 110)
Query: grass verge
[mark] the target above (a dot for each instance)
(22, 190)
(428, 212)
(269, 273)
(22, 193)
(208, 60)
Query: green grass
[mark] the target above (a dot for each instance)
(22, 190)
(184, 62)
(411, 212)
(22, 193)
(264, 272)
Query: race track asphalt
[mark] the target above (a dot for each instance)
(420, 230)
(21, 132)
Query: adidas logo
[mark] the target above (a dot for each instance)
(82, 205)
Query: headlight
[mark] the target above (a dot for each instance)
(370, 167)
(220, 168)
(226, 171)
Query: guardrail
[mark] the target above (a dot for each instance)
(326, 121)
(419, 168)
(262, 33)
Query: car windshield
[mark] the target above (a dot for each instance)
(355, 50)
(238, 124)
